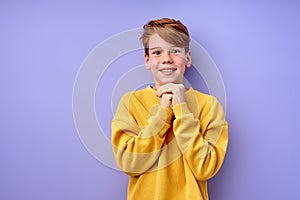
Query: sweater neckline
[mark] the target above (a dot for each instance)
(150, 87)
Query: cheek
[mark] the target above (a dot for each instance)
(153, 60)
(183, 62)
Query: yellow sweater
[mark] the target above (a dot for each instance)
(169, 154)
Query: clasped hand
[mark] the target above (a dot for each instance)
(171, 94)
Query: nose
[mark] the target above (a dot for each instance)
(167, 58)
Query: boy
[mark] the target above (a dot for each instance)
(169, 139)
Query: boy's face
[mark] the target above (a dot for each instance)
(166, 61)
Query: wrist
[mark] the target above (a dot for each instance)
(181, 109)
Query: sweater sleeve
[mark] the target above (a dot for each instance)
(136, 149)
(203, 143)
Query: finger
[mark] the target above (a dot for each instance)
(167, 97)
(166, 100)
(163, 90)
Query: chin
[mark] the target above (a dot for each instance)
(174, 82)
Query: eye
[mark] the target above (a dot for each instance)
(156, 52)
(175, 51)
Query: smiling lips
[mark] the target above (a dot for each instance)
(167, 71)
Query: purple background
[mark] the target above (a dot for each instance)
(255, 45)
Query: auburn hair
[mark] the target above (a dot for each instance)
(170, 30)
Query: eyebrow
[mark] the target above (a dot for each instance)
(153, 48)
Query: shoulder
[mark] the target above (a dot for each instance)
(207, 103)
(141, 95)
(138, 93)
(144, 92)
(201, 94)
(202, 98)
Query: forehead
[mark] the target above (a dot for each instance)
(156, 41)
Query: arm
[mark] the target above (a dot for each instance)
(137, 149)
(202, 142)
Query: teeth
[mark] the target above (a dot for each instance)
(167, 70)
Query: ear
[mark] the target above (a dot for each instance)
(147, 61)
(188, 59)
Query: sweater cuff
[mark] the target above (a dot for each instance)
(161, 113)
(181, 109)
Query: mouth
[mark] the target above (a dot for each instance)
(167, 70)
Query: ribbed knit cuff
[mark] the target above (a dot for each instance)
(162, 113)
(181, 109)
